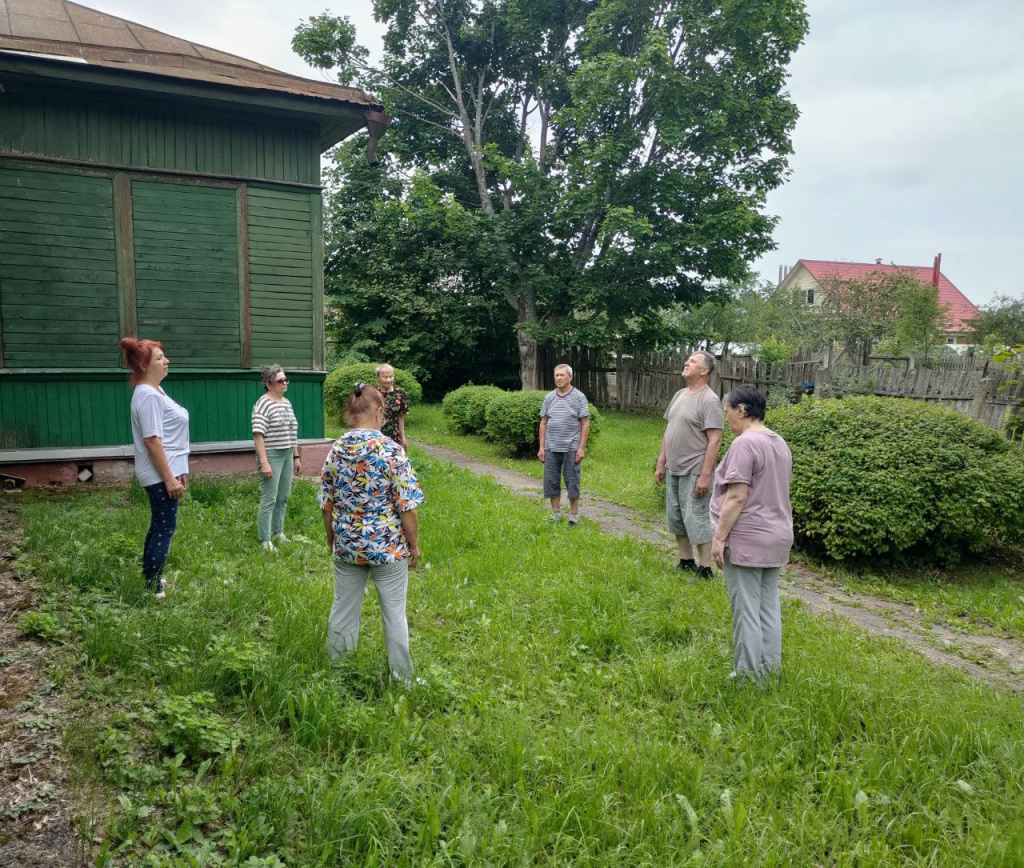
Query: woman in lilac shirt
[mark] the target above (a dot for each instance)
(753, 531)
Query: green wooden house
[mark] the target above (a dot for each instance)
(153, 187)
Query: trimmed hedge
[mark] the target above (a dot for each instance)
(465, 408)
(513, 419)
(893, 480)
(341, 381)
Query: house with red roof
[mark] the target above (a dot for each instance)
(808, 277)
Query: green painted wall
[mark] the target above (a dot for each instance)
(281, 269)
(157, 135)
(74, 409)
(58, 270)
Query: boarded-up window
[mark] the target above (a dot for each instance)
(186, 271)
(281, 277)
(58, 270)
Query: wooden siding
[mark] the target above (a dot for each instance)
(58, 270)
(157, 135)
(76, 409)
(186, 270)
(281, 277)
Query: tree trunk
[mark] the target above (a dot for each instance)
(530, 374)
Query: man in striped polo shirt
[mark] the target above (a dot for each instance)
(564, 427)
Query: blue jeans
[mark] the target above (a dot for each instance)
(162, 524)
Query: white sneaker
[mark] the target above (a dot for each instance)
(269, 546)
(159, 595)
(280, 537)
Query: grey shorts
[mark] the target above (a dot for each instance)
(685, 514)
(556, 466)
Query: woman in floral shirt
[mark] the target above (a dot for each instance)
(369, 494)
(396, 405)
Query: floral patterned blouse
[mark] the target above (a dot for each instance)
(396, 403)
(369, 482)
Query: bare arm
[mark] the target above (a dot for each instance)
(541, 435)
(732, 506)
(261, 451)
(411, 529)
(659, 468)
(703, 485)
(401, 431)
(584, 433)
(155, 447)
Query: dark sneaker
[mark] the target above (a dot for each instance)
(687, 566)
(701, 574)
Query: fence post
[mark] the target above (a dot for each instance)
(982, 392)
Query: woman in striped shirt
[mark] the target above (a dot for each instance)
(275, 431)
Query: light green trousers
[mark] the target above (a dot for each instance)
(274, 493)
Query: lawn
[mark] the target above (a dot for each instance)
(575, 705)
(983, 595)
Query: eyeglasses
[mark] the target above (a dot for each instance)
(281, 382)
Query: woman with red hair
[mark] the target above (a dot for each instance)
(160, 437)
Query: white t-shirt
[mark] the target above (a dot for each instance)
(154, 414)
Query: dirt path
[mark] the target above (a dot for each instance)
(991, 658)
(35, 807)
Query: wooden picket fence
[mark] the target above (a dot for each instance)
(645, 383)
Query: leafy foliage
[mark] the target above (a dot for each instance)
(191, 725)
(424, 303)
(600, 160)
(892, 480)
(465, 408)
(890, 305)
(513, 420)
(341, 381)
(1000, 322)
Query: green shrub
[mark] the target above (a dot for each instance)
(513, 419)
(894, 480)
(464, 409)
(341, 381)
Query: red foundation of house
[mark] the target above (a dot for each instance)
(106, 471)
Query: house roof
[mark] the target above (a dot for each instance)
(61, 31)
(959, 308)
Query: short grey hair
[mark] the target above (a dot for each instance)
(269, 373)
(382, 367)
(566, 368)
(709, 360)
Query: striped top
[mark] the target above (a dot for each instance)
(276, 421)
(564, 413)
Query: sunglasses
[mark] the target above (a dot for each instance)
(281, 382)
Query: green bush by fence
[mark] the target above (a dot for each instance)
(465, 408)
(341, 381)
(891, 480)
(513, 419)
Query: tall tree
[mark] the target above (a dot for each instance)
(1000, 323)
(616, 154)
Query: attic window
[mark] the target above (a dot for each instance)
(807, 296)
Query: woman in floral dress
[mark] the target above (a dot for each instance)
(396, 405)
(369, 495)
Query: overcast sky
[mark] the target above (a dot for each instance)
(909, 142)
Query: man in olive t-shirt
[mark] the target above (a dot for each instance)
(689, 450)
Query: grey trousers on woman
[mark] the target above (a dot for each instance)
(756, 618)
(392, 582)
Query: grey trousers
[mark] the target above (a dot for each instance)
(392, 582)
(274, 493)
(756, 618)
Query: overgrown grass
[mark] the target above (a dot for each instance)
(986, 596)
(575, 706)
